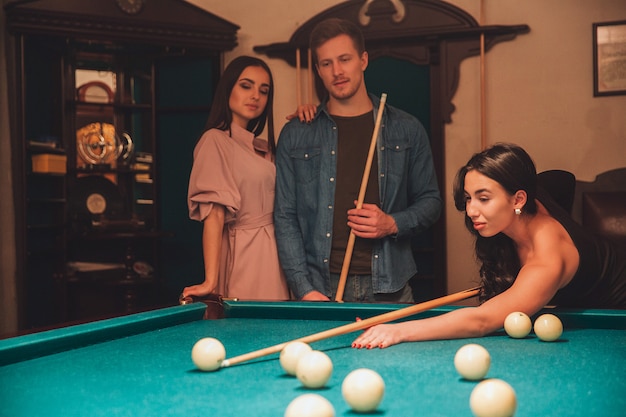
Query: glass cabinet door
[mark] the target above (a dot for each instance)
(114, 146)
(113, 244)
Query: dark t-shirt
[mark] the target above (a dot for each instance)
(354, 137)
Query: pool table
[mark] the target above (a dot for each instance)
(140, 365)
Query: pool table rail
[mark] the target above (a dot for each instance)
(34, 345)
(298, 310)
(30, 346)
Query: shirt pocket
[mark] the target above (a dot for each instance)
(306, 164)
(397, 160)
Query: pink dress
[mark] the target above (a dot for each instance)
(228, 171)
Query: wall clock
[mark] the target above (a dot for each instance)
(130, 6)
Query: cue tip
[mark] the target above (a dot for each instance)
(225, 363)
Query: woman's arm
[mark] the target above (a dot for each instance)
(533, 288)
(212, 230)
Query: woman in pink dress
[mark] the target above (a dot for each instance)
(231, 188)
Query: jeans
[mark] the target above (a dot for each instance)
(359, 289)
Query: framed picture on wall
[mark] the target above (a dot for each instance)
(609, 58)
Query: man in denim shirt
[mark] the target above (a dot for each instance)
(319, 168)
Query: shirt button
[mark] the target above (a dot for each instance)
(327, 234)
(397, 147)
(382, 175)
(330, 207)
(382, 148)
(332, 179)
(375, 256)
(306, 155)
(325, 261)
(332, 152)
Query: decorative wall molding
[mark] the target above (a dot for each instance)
(166, 23)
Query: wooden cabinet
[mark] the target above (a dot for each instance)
(90, 85)
(113, 240)
(40, 182)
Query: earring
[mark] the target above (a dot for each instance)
(518, 211)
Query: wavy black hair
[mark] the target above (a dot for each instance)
(510, 166)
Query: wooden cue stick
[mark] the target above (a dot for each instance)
(310, 75)
(368, 165)
(359, 325)
(298, 82)
(483, 122)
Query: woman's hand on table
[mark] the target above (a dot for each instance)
(379, 336)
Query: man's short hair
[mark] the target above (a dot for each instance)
(333, 27)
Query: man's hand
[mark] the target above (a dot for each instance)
(371, 222)
(315, 296)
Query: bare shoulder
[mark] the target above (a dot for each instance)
(547, 233)
(553, 248)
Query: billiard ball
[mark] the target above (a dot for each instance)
(472, 361)
(493, 398)
(291, 354)
(208, 354)
(310, 405)
(548, 327)
(314, 369)
(517, 325)
(363, 390)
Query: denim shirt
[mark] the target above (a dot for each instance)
(305, 195)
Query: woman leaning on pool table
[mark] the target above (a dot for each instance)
(532, 254)
(231, 188)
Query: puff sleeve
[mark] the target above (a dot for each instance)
(211, 180)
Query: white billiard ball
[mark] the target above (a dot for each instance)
(472, 361)
(291, 354)
(493, 398)
(517, 325)
(363, 390)
(314, 369)
(548, 327)
(310, 405)
(208, 354)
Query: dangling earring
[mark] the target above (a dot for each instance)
(518, 211)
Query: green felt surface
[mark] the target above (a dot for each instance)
(151, 373)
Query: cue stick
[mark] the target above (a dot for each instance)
(359, 325)
(368, 165)
(298, 82)
(483, 129)
(310, 75)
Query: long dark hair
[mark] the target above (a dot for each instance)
(514, 170)
(221, 116)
